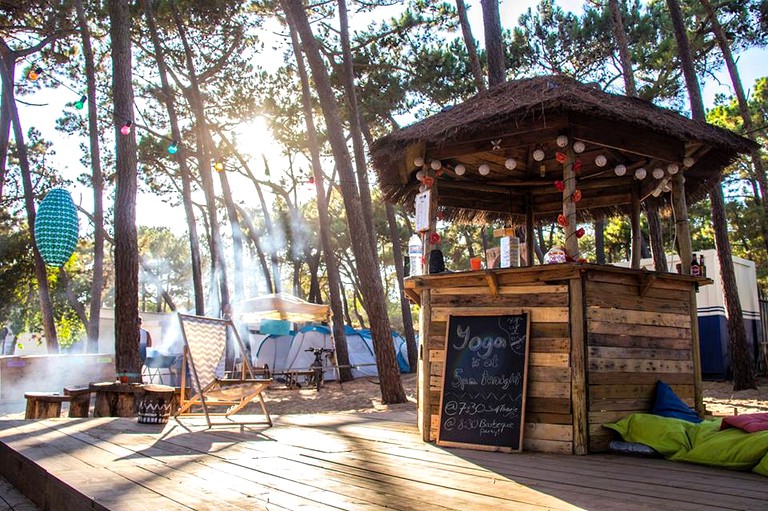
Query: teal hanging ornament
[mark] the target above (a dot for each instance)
(56, 227)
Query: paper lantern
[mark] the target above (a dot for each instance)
(56, 227)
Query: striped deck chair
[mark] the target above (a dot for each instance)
(205, 341)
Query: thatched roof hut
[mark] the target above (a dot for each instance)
(510, 122)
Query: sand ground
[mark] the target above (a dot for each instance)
(363, 395)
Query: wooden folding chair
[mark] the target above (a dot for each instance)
(205, 341)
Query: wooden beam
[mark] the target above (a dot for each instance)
(493, 282)
(413, 295)
(578, 367)
(632, 139)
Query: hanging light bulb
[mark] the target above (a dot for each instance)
(420, 175)
(173, 147)
(484, 169)
(35, 73)
(688, 161)
(511, 163)
(538, 154)
(436, 164)
(578, 146)
(418, 161)
(562, 141)
(601, 160)
(218, 166)
(620, 170)
(673, 168)
(658, 173)
(80, 103)
(460, 170)
(126, 128)
(641, 173)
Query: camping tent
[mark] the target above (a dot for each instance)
(270, 350)
(313, 336)
(401, 349)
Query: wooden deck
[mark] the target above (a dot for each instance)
(331, 462)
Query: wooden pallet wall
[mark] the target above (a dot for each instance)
(548, 415)
(637, 333)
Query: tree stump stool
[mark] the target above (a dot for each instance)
(79, 401)
(114, 399)
(155, 404)
(43, 405)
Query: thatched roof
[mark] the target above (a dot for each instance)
(514, 119)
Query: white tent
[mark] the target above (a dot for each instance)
(314, 336)
(270, 350)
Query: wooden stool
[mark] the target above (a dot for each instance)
(79, 401)
(114, 399)
(156, 403)
(44, 405)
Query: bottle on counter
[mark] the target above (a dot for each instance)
(702, 266)
(695, 269)
(414, 255)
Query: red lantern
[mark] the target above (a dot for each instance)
(439, 172)
(562, 220)
(311, 180)
(428, 181)
(576, 195)
(580, 232)
(560, 185)
(439, 215)
(560, 157)
(577, 166)
(434, 238)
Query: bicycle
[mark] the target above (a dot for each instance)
(317, 367)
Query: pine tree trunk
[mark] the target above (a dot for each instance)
(469, 42)
(331, 263)
(743, 372)
(181, 160)
(97, 183)
(127, 361)
(405, 306)
(494, 44)
(365, 257)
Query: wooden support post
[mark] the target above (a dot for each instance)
(682, 229)
(79, 401)
(637, 235)
(423, 396)
(578, 368)
(569, 206)
(698, 394)
(530, 241)
(43, 405)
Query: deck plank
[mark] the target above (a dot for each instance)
(342, 461)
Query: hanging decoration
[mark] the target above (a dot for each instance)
(80, 103)
(560, 186)
(484, 169)
(428, 181)
(218, 166)
(35, 73)
(562, 220)
(511, 163)
(576, 195)
(580, 232)
(56, 227)
(434, 238)
(577, 166)
(126, 129)
(460, 170)
(560, 157)
(174, 147)
(562, 140)
(311, 180)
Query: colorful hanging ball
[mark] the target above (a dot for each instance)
(576, 195)
(577, 165)
(218, 166)
(173, 148)
(560, 157)
(560, 185)
(580, 232)
(80, 103)
(56, 227)
(126, 128)
(311, 180)
(434, 238)
(439, 172)
(562, 220)
(428, 181)
(439, 215)
(35, 73)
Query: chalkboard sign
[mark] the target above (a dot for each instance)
(483, 400)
